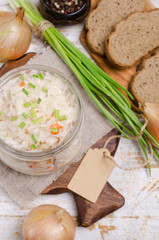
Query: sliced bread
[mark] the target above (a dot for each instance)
(100, 21)
(144, 86)
(133, 38)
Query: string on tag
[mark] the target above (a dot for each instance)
(106, 155)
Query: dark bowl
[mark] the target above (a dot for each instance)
(65, 19)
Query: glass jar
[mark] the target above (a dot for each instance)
(65, 19)
(47, 161)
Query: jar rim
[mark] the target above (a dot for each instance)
(37, 156)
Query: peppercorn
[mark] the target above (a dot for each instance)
(65, 6)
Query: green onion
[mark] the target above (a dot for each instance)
(6, 135)
(0, 113)
(57, 113)
(33, 146)
(34, 139)
(25, 91)
(25, 115)
(31, 85)
(36, 76)
(22, 77)
(38, 120)
(33, 114)
(44, 89)
(14, 118)
(39, 100)
(62, 118)
(33, 105)
(54, 130)
(40, 76)
(102, 89)
(27, 104)
(22, 125)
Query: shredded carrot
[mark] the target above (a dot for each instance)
(55, 132)
(54, 160)
(56, 126)
(22, 84)
(52, 126)
(49, 161)
(1, 120)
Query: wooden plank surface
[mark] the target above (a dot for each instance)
(138, 219)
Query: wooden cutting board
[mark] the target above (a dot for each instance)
(121, 76)
(109, 199)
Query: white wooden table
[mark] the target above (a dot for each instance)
(138, 219)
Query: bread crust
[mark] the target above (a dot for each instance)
(89, 44)
(92, 48)
(116, 64)
(140, 68)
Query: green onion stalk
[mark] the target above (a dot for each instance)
(104, 91)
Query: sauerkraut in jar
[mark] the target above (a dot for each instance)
(40, 113)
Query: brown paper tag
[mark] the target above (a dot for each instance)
(92, 174)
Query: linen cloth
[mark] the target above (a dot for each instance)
(25, 188)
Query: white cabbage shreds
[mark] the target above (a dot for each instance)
(37, 111)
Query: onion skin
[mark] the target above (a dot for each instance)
(48, 222)
(151, 112)
(17, 35)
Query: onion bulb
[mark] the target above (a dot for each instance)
(48, 222)
(15, 35)
(151, 112)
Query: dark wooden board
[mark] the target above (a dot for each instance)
(13, 64)
(109, 199)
